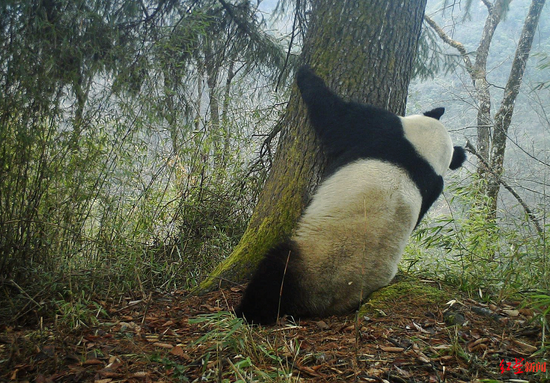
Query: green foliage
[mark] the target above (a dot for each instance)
(540, 302)
(178, 370)
(476, 254)
(111, 164)
(430, 58)
(247, 350)
(77, 312)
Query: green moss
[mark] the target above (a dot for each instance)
(273, 220)
(342, 46)
(404, 293)
(243, 259)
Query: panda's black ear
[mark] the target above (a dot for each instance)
(435, 113)
(459, 156)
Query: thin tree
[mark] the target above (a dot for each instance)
(492, 133)
(64, 62)
(365, 51)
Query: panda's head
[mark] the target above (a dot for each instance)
(432, 141)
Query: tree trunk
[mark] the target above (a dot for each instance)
(226, 126)
(478, 74)
(491, 147)
(364, 50)
(503, 117)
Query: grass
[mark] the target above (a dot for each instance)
(251, 354)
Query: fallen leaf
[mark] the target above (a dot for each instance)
(524, 346)
(151, 338)
(177, 351)
(163, 345)
(480, 340)
(211, 309)
(92, 362)
(322, 325)
(402, 372)
(526, 312)
(392, 349)
(140, 374)
(511, 313)
(419, 328)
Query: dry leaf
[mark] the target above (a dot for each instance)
(392, 349)
(92, 362)
(163, 345)
(140, 374)
(177, 351)
(419, 328)
(511, 313)
(524, 346)
(322, 325)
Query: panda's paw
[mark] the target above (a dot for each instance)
(307, 80)
(256, 315)
(257, 308)
(262, 301)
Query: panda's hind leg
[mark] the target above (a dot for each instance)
(263, 302)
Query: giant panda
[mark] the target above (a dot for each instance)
(383, 174)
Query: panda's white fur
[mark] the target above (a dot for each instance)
(384, 173)
(430, 139)
(377, 195)
(379, 212)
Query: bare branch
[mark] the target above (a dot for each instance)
(526, 208)
(503, 117)
(453, 43)
(493, 19)
(488, 4)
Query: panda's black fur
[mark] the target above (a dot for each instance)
(326, 269)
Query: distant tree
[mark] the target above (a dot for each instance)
(211, 44)
(365, 51)
(71, 70)
(51, 52)
(492, 132)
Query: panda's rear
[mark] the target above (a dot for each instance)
(384, 175)
(348, 238)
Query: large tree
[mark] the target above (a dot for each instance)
(365, 52)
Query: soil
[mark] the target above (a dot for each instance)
(401, 336)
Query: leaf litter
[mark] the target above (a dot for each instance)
(174, 336)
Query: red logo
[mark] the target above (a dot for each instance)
(518, 367)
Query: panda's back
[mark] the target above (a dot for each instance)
(359, 220)
(383, 173)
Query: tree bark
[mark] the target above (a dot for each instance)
(364, 50)
(491, 143)
(478, 74)
(503, 117)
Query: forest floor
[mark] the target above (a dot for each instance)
(176, 337)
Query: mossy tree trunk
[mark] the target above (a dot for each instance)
(364, 50)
